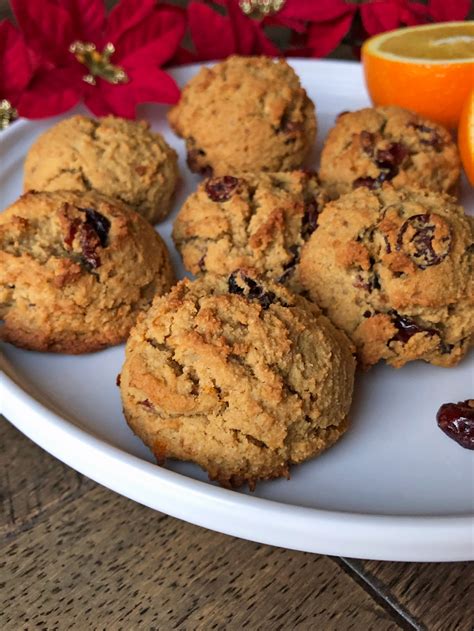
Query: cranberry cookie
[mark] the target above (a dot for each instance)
(388, 144)
(257, 220)
(238, 375)
(113, 156)
(75, 270)
(245, 114)
(393, 268)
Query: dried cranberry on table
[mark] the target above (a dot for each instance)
(457, 421)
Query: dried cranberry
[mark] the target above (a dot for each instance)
(89, 241)
(289, 267)
(99, 223)
(220, 189)
(310, 218)
(407, 328)
(392, 156)
(434, 139)
(202, 263)
(457, 421)
(368, 182)
(195, 165)
(252, 291)
(147, 404)
(416, 238)
(73, 228)
(445, 348)
(367, 314)
(287, 126)
(367, 140)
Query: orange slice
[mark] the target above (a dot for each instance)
(466, 137)
(428, 69)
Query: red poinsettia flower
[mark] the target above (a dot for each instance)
(15, 67)
(111, 62)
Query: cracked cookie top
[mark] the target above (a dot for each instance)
(113, 156)
(75, 269)
(393, 268)
(238, 375)
(388, 144)
(258, 221)
(245, 114)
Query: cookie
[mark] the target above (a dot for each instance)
(238, 375)
(75, 270)
(257, 221)
(113, 156)
(245, 114)
(393, 269)
(388, 144)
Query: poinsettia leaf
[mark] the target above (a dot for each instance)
(443, 11)
(126, 15)
(88, 17)
(155, 40)
(95, 100)
(14, 62)
(47, 28)
(183, 56)
(51, 92)
(323, 37)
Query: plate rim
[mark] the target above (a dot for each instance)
(339, 533)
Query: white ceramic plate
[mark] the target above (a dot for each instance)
(394, 488)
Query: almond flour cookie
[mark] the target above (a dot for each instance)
(75, 270)
(256, 220)
(393, 268)
(113, 156)
(238, 375)
(245, 114)
(388, 144)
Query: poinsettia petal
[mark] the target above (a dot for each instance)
(95, 100)
(442, 11)
(183, 56)
(248, 33)
(88, 17)
(127, 14)
(51, 92)
(204, 23)
(323, 37)
(14, 62)
(320, 11)
(154, 40)
(149, 85)
(47, 28)
(381, 16)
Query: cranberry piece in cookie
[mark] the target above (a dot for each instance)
(457, 421)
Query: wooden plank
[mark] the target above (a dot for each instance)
(103, 561)
(436, 596)
(31, 480)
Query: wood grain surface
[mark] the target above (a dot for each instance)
(75, 555)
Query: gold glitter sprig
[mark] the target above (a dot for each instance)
(7, 113)
(97, 63)
(259, 9)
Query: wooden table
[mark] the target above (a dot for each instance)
(75, 555)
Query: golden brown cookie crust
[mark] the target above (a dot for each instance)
(75, 270)
(388, 144)
(238, 375)
(393, 268)
(257, 221)
(113, 156)
(245, 114)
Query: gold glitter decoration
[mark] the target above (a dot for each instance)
(98, 63)
(7, 113)
(259, 9)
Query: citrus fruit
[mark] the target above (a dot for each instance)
(466, 137)
(428, 69)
